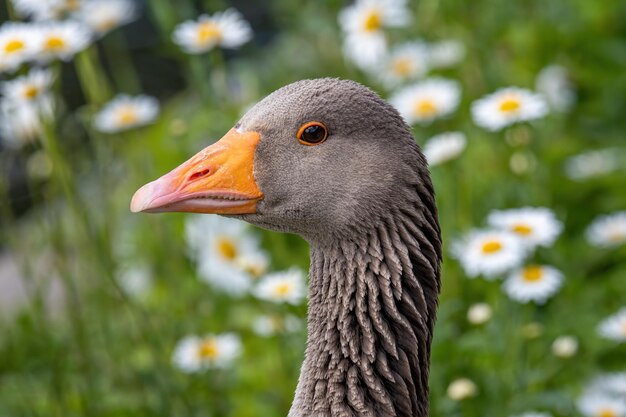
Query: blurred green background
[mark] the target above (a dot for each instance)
(74, 341)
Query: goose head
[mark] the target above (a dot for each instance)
(317, 157)
(329, 160)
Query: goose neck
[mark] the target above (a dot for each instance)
(372, 303)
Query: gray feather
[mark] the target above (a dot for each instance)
(365, 202)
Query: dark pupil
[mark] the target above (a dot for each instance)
(313, 134)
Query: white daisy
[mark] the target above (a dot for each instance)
(614, 327)
(553, 83)
(270, 325)
(254, 263)
(226, 29)
(462, 388)
(363, 24)
(533, 283)
(535, 226)
(282, 287)
(444, 147)
(125, 112)
(21, 123)
(45, 9)
(36, 9)
(489, 252)
(601, 405)
(565, 346)
(228, 256)
(104, 15)
(613, 384)
(508, 106)
(30, 89)
(26, 102)
(62, 40)
(194, 353)
(366, 52)
(427, 100)
(368, 16)
(405, 62)
(479, 313)
(608, 230)
(18, 43)
(592, 164)
(446, 53)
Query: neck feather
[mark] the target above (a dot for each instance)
(372, 306)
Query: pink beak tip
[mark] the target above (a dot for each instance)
(141, 199)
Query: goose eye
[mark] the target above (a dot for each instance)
(312, 133)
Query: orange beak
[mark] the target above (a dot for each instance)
(218, 179)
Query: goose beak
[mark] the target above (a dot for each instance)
(218, 179)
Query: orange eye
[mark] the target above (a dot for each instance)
(312, 133)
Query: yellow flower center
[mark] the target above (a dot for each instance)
(54, 43)
(208, 349)
(509, 105)
(31, 92)
(208, 31)
(126, 116)
(616, 236)
(372, 21)
(14, 45)
(256, 270)
(72, 5)
(402, 67)
(107, 24)
(606, 412)
(491, 246)
(425, 108)
(227, 248)
(522, 229)
(532, 273)
(282, 290)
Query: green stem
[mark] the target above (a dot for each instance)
(92, 79)
(88, 392)
(87, 231)
(33, 280)
(100, 252)
(200, 76)
(167, 14)
(218, 75)
(62, 176)
(18, 245)
(61, 170)
(6, 213)
(11, 11)
(124, 75)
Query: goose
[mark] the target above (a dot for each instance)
(331, 161)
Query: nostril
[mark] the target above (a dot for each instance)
(199, 174)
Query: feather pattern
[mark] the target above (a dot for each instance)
(372, 306)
